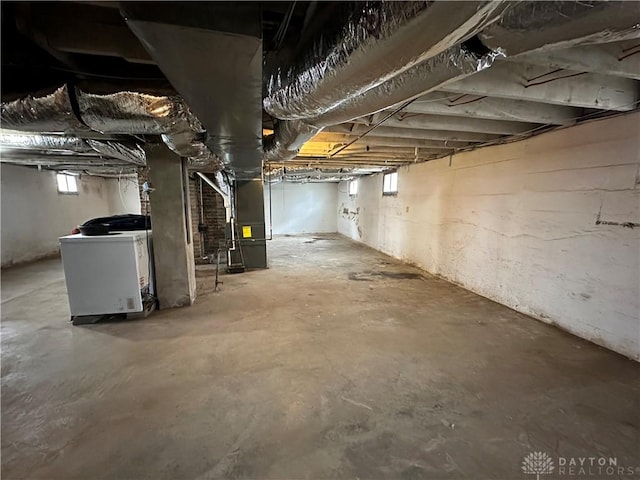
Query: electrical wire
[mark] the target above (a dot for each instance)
(284, 26)
(373, 127)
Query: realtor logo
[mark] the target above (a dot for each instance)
(537, 463)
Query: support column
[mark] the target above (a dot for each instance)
(171, 221)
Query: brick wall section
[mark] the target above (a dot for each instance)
(145, 204)
(214, 214)
(214, 218)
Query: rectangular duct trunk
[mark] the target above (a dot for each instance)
(211, 52)
(214, 60)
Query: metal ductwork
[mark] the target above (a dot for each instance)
(58, 161)
(15, 140)
(139, 113)
(211, 52)
(449, 66)
(16, 144)
(379, 41)
(288, 138)
(538, 26)
(120, 113)
(502, 31)
(51, 113)
(364, 58)
(133, 153)
(308, 174)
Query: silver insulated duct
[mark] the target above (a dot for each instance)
(48, 114)
(501, 30)
(139, 113)
(539, 26)
(126, 113)
(378, 44)
(451, 65)
(309, 174)
(16, 144)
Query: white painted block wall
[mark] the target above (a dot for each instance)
(35, 215)
(517, 223)
(302, 207)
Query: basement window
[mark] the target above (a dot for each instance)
(67, 183)
(390, 183)
(353, 188)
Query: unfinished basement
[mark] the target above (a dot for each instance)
(312, 240)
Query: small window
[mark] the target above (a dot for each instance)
(353, 188)
(390, 183)
(67, 183)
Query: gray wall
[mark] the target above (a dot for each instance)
(34, 214)
(302, 207)
(517, 223)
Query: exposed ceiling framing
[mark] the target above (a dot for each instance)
(528, 94)
(540, 85)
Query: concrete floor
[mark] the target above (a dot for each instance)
(337, 362)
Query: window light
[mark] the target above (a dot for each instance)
(390, 183)
(66, 183)
(353, 188)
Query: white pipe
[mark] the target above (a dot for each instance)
(227, 208)
(225, 198)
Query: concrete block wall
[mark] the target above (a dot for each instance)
(35, 215)
(302, 207)
(543, 226)
(214, 218)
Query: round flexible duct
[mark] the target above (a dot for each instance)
(412, 50)
(139, 113)
(13, 141)
(450, 65)
(538, 26)
(522, 27)
(47, 114)
(379, 41)
(120, 113)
